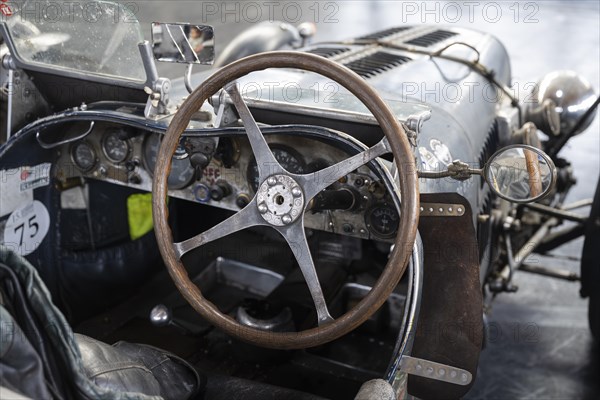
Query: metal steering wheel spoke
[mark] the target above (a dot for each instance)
(296, 239)
(317, 181)
(246, 218)
(265, 160)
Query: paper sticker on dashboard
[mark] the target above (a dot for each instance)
(26, 228)
(34, 177)
(11, 195)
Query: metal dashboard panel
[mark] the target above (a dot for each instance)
(135, 170)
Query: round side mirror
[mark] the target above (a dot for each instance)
(520, 173)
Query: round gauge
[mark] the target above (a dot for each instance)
(84, 156)
(115, 148)
(182, 171)
(289, 159)
(382, 220)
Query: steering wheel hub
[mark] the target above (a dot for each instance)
(280, 200)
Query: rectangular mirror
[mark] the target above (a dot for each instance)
(183, 43)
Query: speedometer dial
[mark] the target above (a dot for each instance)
(115, 148)
(289, 159)
(182, 171)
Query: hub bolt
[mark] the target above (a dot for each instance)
(296, 192)
(262, 208)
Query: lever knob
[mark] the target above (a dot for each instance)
(161, 315)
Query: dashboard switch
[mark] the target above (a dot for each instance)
(134, 178)
(242, 200)
(220, 190)
(202, 193)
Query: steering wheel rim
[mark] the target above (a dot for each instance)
(397, 142)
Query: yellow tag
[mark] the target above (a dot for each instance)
(139, 214)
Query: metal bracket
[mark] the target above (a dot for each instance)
(156, 88)
(158, 98)
(434, 370)
(442, 210)
(224, 110)
(225, 116)
(457, 170)
(7, 62)
(415, 122)
(461, 170)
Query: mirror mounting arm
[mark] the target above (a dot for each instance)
(187, 79)
(457, 170)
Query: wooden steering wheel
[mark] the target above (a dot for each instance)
(282, 199)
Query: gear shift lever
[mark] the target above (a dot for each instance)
(161, 316)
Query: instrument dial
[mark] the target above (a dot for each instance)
(182, 172)
(115, 148)
(382, 220)
(289, 159)
(84, 156)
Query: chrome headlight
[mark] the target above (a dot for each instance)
(569, 94)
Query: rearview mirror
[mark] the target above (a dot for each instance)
(520, 173)
(183, 43)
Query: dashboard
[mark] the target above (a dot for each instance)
(225, 174)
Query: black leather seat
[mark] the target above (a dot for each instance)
(41, 357)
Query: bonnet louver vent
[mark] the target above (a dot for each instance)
(489, 146)
(328, 52)
(384, 33)
(431, 38)
(376, 63)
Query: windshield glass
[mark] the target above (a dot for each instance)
(98, 37)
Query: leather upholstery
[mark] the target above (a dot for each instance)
(17, 356)
(128, 367)
(41, 357)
